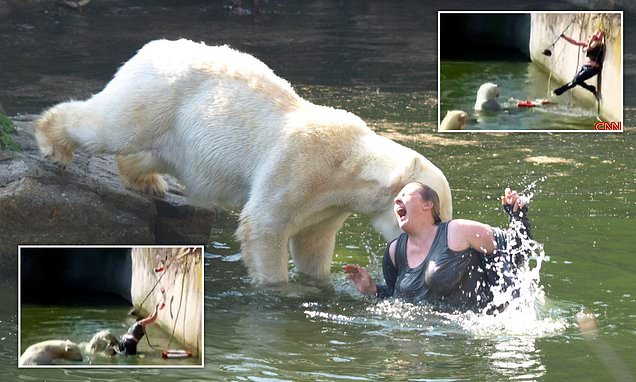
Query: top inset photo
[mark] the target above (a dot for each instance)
(532, 72)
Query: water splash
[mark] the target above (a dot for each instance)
(527, 311)
(523, 295)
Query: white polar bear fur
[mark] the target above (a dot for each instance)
(103, 341)
(237, 135)
(487, 97)
(45, 352)
(454, 120)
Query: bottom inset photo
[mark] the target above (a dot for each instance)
(115, 306)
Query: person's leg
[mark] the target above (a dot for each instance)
(586, 73)
(590, 88)
(560, 90)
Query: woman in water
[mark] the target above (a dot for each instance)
(129, 341)
(454, 264)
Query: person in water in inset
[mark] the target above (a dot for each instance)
(450, 264)
(594, 52)
(129, 341)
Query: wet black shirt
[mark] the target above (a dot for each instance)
(596, 53)
(446, 278)
(136, 331)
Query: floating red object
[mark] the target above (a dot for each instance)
(176, 354)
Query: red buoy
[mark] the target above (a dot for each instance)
(526, 104)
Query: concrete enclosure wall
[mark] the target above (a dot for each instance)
(566, 59)
(178, 272)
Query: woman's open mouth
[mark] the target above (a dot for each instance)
(400, 209)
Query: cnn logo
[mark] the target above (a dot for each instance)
(608, 126)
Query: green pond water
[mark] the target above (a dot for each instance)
(378, 61)
(80, 320)
(517, 81)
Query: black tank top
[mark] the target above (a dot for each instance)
(136, 331)
(446, 278)
(596, 53)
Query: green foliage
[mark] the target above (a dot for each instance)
(6, 130)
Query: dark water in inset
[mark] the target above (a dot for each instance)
(378, 60)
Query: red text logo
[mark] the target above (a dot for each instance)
(608, 126)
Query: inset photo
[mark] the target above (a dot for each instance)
(533, 71)
(115, 306)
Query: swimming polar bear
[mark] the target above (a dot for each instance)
(487, 97)
(454, 120)
(45, 352)
(105, 342)
(237, 135)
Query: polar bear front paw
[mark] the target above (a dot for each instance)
(152, 184)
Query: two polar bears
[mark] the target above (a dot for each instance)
(238, 135)
(46, 352)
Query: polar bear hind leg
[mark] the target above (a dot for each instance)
(141, 172)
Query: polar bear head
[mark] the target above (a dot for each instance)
(413, 168)
(487, 97)
(103, 341)
(454, 120)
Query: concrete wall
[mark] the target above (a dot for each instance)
(182, 281)
(566, 58)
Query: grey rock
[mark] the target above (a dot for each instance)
(86, 204)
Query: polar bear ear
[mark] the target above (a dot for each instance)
(403, 176)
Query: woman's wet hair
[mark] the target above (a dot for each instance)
(428, 194)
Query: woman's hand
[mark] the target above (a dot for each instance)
(361, 278)
(512, 199)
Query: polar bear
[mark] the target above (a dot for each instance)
(487, 97)
(454, 120)
(103, 342)
(43, 353)
(237, 135)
